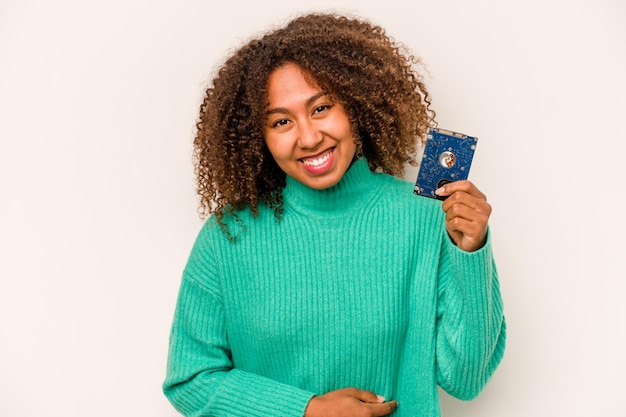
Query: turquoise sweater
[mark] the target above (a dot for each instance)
(357, 286)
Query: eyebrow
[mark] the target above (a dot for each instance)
(310, 101)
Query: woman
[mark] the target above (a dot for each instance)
(321, 285)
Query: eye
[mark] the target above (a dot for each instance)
(280, 122)
(321, 108)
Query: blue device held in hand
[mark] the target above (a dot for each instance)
(447, 158)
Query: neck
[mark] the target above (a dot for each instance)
(349, 193)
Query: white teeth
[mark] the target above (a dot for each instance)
(315, 162)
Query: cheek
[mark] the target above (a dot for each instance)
(342, 125)
(277, 150)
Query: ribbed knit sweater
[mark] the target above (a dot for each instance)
(358, 286)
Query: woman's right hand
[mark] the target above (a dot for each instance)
(349, 402)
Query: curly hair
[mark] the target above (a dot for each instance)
(354, 60)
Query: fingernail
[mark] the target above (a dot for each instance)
(380, 398)
(439, 191)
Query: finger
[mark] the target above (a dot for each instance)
(463, 185)
(459, 199)
(383, 409)
(468, 236)
(467, 228)
(365, 396)
(478, 213)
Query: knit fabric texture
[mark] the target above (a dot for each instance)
(358, 285)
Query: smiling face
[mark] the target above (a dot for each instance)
(307, 132)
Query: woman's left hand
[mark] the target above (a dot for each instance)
(467, 214)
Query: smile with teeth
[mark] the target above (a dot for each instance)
(317, 160)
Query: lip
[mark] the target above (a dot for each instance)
(323, 166)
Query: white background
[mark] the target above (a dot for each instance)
(97, 109)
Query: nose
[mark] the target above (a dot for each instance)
(309, 137)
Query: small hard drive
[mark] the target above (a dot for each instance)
(447, 157)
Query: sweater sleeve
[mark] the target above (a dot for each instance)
(471, 330)
(201, 379)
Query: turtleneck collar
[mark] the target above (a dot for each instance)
(352, 191)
